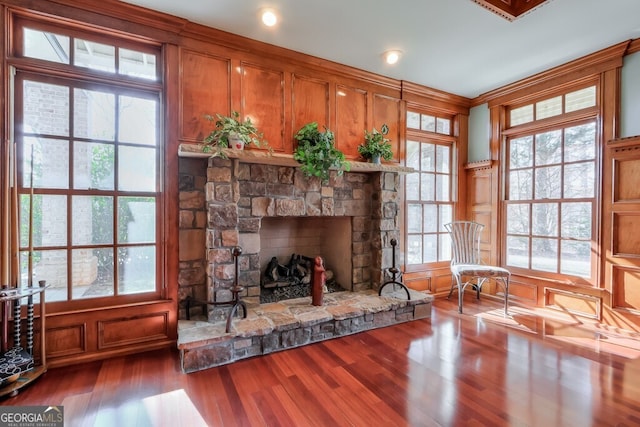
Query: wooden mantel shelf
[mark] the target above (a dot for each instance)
(278, 159)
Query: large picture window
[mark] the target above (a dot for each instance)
(88, 166)
(551, 196)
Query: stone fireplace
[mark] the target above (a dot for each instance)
(243, 194)
(264, 204)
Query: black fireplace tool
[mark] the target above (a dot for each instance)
(394, 272)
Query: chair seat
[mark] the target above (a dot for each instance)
(479, 270)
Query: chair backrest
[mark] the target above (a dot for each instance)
(465, 241)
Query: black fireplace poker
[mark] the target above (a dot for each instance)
(394, 272)
(235, 291)
(235, 302)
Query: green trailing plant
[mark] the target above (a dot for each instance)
(376, 144)
(317, 153)
(229, 127)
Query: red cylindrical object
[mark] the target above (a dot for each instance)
(317, 284)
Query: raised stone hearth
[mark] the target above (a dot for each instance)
(292, 323)
(251, 200)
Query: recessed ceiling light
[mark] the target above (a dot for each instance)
(269, 17)
(392, 56)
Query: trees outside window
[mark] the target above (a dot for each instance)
(551, 186)
(88, 148)
(428, 191)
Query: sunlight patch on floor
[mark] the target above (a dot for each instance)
(569, 331)
(173, 408)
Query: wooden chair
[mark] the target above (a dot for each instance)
(466, 263)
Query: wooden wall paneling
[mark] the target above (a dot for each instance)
(67, 340)
(481, 204)
(573, 302)
(91, 335)
(621, 215)
(626, 239)
(388, 110)
(441, 281)
(205, 88)
(626, 178)
(436, 281)
(351, 119)
(310, 102)
(419, 281)
(132, 330)
(626, 288)
(524, 291)
(263, 100)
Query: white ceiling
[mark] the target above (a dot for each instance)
(452, 45)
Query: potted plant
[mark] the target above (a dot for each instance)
(317, 153)
(376, 145)
(230, 132)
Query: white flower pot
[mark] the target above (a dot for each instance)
(235, 142)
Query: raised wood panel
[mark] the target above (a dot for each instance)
(441, 281)
(573, 302)
(484, 218)
(436, 280)
(625, 231)
(523, 291)
(419, 283)
(627, 177)
(66, 340)
(121, 332)
(310, 102)
(205, 88)
(351, 120)
(263, 101)
(482, 189)
(388, 110)
(626, 288)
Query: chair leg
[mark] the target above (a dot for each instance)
(453, 280)
(460, 294)
(506, 296)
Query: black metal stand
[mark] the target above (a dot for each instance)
(394, 271)
(235, 302)
(18, 366)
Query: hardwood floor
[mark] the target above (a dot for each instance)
(476, 369)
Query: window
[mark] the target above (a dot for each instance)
(551, 197)
(428, 191)
(554, 106)
(88, 166)
(428, 123)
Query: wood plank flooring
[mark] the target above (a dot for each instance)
(476, 369)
